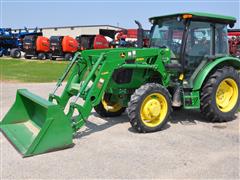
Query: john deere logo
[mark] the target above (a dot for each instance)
(122, 55)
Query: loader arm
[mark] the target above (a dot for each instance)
(90, 78)
(35, 125)
(86, 82)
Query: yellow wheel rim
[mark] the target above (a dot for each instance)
(154, 110)
(227, 95)
(111, 107)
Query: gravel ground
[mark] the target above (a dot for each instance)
(188, 147)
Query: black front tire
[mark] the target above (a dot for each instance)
(135, 107)
(209, 107)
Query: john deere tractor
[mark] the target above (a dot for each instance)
(187, 65)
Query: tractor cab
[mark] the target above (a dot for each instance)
(193, 38)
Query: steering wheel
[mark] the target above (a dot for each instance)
(175, 47)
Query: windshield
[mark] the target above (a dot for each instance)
(168, 34)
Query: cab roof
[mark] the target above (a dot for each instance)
(200, 16)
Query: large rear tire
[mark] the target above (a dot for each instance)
(106, 108)
(220, 95)
(149, 108)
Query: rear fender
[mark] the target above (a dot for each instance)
(210, 67)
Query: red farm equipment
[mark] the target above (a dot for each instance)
(108, 38)
(36, 46)
(111, 39)
(62, 47)
(130, 37)
(234, 42)
(92, 42)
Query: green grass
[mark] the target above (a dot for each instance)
(31, 70)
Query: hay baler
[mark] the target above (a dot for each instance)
(36, 46)
(62, 47)
(92, 42)
(187, 65)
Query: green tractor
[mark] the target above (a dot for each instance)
(187, 66)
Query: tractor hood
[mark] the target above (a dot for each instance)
(131, 54)
(126, 51)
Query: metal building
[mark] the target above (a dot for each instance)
(73, 30)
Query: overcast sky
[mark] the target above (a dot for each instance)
(30, 13)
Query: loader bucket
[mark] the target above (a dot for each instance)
(34, 125)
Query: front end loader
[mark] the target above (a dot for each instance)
(187, 66)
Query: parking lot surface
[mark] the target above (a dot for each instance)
(188, 147)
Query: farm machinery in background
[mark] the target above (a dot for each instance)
(36, 46)
(62, 47)
(234, 42)
(92, 42)
(12, 43)
(65, 46)
(129, 37)
(108, 38)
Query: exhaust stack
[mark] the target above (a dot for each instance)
(139, 35)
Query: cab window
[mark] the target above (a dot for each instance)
(221, 43)
(198, 43)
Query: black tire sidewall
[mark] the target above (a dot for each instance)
(150, 90)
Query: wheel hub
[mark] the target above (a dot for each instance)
(227, 95)
(152, 109)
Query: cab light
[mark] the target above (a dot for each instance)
(187, 16)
